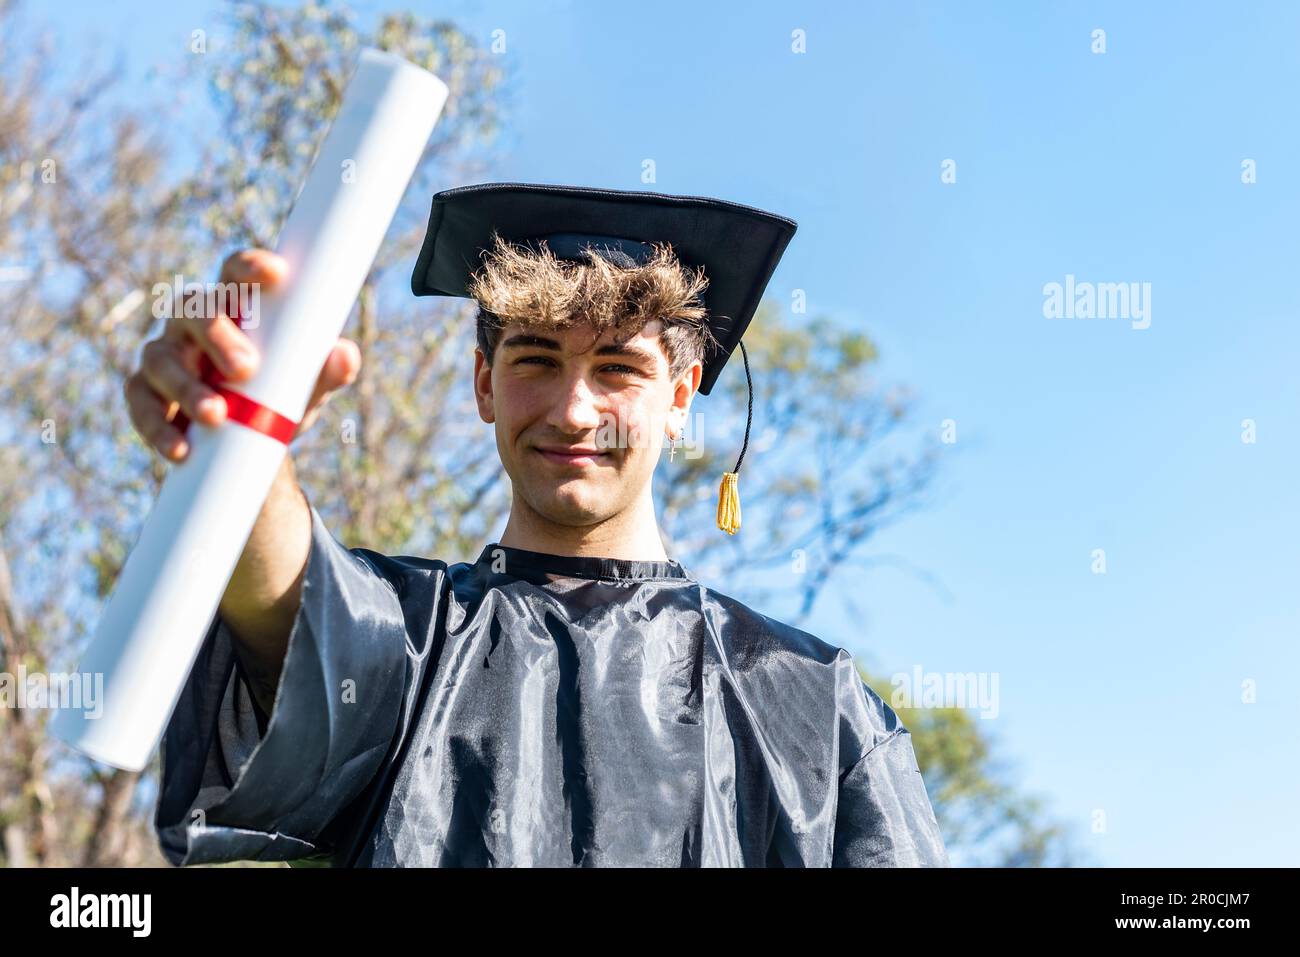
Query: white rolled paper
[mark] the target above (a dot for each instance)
(168, 592)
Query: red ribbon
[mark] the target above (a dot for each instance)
(240, 408)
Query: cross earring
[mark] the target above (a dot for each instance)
(672, 449)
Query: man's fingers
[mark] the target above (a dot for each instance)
(229, 347)
(226, 344)
(254, 265)
(168, 376)
(165, 373)
(148, 413)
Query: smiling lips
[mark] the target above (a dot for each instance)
(573, 454)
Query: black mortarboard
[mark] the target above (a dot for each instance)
(738, 248)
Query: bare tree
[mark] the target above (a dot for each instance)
(90, 220)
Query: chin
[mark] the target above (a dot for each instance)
(566, 505)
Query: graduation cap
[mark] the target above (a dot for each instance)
(737, 247)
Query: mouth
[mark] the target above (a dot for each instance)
(577, 456)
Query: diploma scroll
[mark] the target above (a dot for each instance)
(165, 598)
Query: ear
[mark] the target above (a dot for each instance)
(684, 389)
(483, 387)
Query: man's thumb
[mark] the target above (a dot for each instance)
(340, 369)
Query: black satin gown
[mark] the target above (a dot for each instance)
(537, 710)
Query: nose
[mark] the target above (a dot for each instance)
(576, 408)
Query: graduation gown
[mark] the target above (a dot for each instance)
(537, 710)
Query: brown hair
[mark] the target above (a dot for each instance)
(532, 287)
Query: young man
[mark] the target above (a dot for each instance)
(573, 697)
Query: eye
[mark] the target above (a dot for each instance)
(622, 369)
(533, 360)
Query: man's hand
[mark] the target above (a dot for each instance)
(168, 380)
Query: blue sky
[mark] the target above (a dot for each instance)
(1120, 692)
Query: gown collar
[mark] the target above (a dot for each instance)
(514, 560)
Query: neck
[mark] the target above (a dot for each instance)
(632, 534)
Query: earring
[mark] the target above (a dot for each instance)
(672, 449)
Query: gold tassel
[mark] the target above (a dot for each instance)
(729, 503)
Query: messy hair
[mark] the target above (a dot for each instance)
(533, 287)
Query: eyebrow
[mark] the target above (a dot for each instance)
(538, 342)
(613, 349)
